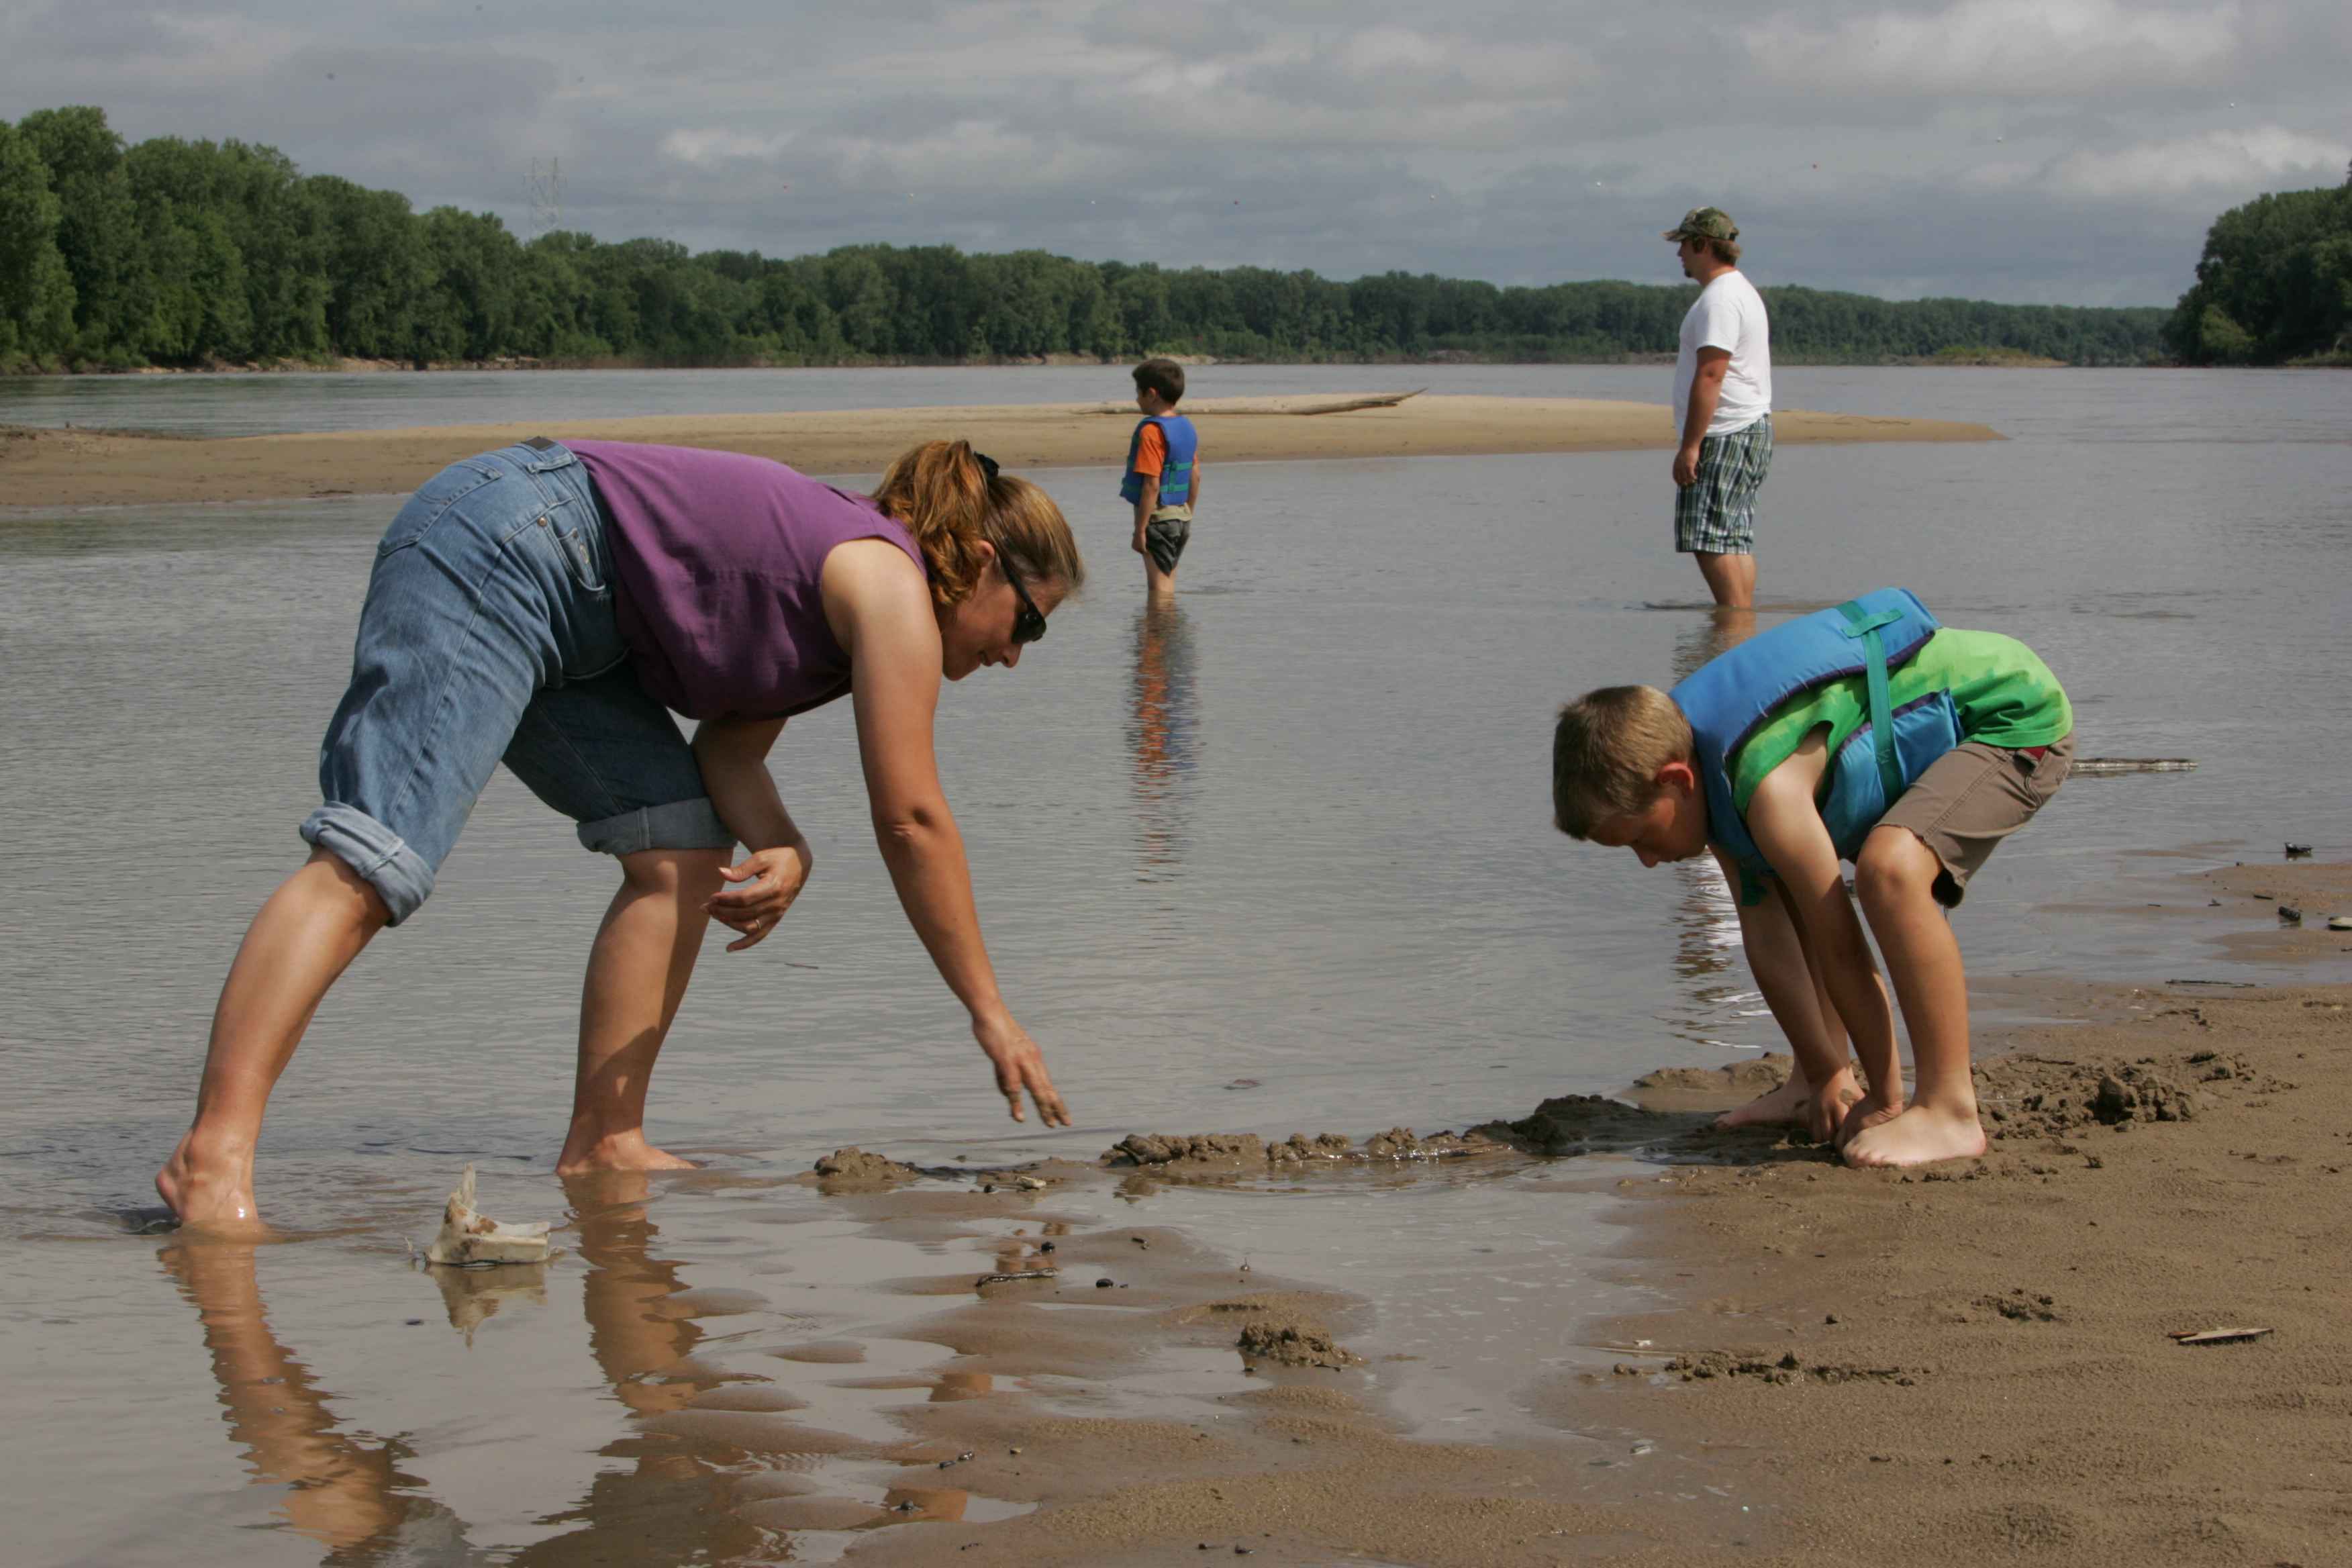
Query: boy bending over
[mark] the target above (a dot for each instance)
(1869, 734)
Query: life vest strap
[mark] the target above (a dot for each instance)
(1862, 624)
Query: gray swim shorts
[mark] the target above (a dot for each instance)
(1971, 798)
(1165, 536)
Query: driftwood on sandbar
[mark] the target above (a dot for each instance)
(1296, 405)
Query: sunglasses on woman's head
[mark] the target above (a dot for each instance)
(1028, 621)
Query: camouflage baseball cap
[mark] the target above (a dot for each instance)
(1703, 223)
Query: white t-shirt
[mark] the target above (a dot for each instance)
(1727, 314)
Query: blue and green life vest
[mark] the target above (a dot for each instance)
(1730, 696)
(1176, 479)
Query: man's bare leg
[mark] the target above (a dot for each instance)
(305, 936)
(1731, 578)
(638, 972)
(1896, 879)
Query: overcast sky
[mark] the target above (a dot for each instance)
(2053, 150)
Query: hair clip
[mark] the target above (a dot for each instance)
(987, 466)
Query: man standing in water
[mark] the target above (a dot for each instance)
(1723, 403)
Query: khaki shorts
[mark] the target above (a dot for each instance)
(1971, 798)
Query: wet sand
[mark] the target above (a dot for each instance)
(1598, 1331)
(1967, 1364)
(77, 468)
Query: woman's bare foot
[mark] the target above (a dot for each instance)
(210, 1185)
(1920, 1136)
(628, 1151)
(1868, 1111)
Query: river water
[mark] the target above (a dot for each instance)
(1292, 830)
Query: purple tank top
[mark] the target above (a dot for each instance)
(716, 557)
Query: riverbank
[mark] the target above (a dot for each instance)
(52, 468)
(1970, 1363)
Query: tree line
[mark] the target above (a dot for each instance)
(2274, 284)
(190, 253)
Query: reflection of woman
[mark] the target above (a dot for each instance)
(347, 1496)
(671, 1505)
(543, 604)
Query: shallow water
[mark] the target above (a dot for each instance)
(1292, 830)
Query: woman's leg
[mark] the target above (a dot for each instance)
(304, 937)
(637, 971)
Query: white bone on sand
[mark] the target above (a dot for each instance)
(469, 1236)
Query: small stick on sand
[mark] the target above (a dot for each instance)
(2099, 767)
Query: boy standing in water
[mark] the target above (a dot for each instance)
(1866, 732)
(1163, 482)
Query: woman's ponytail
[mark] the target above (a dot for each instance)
(951, 498)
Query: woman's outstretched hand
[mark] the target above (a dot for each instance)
(1020, 1065)
(767, 881)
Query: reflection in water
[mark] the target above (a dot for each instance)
(671, 1505)
(1163, 733)
(1706, 928)
(346, 1495)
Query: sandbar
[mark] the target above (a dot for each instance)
(45, 469)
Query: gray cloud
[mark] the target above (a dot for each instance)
(2068, 150)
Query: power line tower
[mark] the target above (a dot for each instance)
(544, 189)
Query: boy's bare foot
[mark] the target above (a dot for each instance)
(1786, 1103)
(1797, 1102)
(1920, 1136)
(209, 1187)
(1868, 1111)
(617, 1151)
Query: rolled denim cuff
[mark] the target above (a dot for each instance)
(381, 857)
(677, 825)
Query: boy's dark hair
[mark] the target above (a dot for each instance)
(1164, 376)
(1606, 753)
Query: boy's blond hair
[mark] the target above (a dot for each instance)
(1606, 753)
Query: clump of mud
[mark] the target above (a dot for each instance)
(1293, 1344)
(1789, 1368)
(854, 1167)
(1580, 1123)
(2031, 1097)
(1204, 1153)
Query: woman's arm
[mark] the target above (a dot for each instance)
(734, 756)
(880, 608)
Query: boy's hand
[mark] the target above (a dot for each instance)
(1687, 466)
(1826, 1107)
(1135, 544)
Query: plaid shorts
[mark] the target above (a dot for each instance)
(1716, 516)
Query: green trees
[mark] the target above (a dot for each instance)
(96, 232)
(181, 252)
(37, 292)
(2274, 283)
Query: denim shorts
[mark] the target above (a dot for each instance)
(488, 636)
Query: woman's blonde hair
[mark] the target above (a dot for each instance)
(951, 498)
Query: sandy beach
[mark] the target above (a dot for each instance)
(1967, 1364)
(77, 468)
